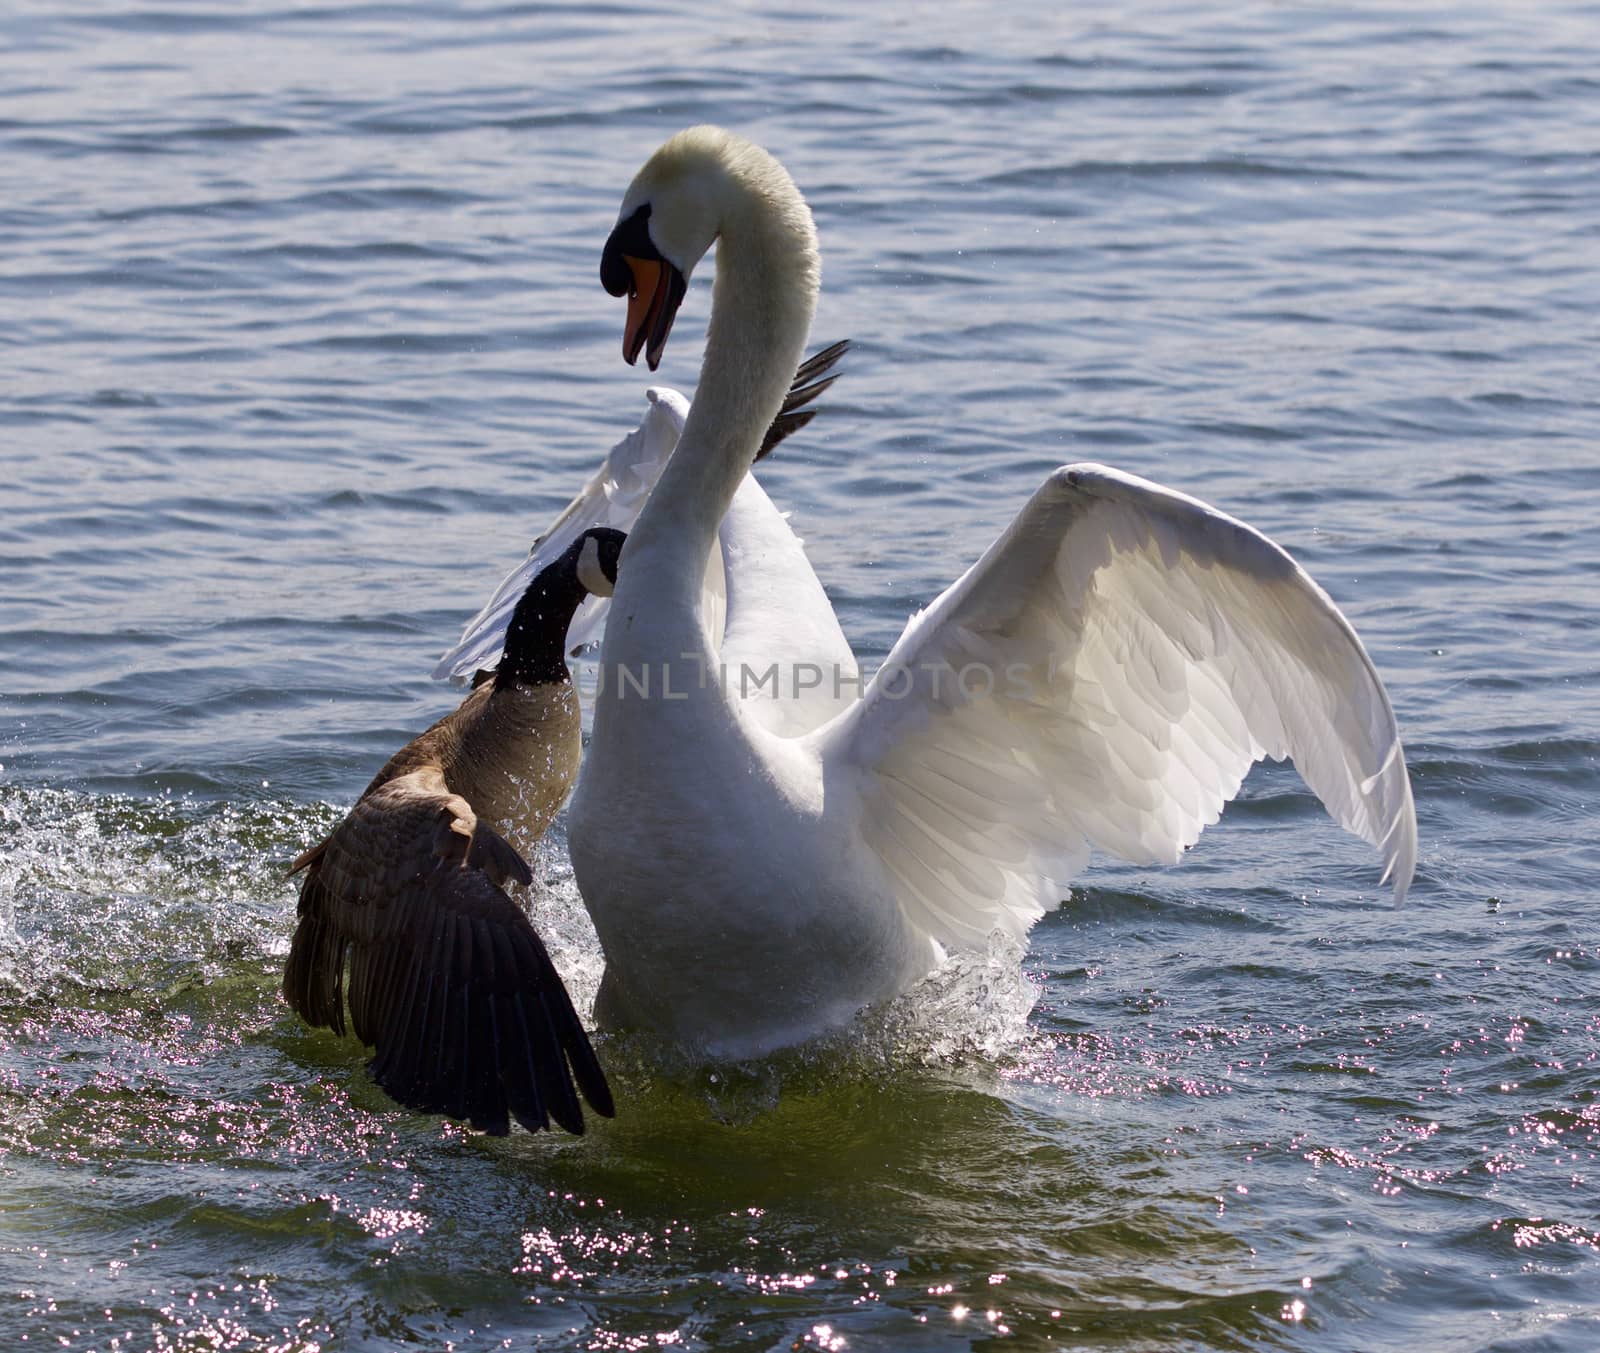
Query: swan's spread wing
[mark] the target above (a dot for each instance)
(448, 980)
(782, 654)
(612, 497)
(1104, 677)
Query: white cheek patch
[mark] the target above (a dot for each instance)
(590, 574)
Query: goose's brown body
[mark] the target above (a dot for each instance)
(511, 753)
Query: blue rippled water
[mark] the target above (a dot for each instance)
(303, 340)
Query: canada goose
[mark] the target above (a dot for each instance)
(448, 980)
(1102, 677)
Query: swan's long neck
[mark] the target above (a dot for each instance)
(761, 308)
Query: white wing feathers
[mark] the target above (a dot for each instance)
(1103, 677)
(784, 657)
(612, 497)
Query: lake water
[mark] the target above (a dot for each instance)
(302, 341)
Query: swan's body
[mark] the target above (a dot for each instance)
(1103, 677)
(448, 980)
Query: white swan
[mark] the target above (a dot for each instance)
(1102, 677)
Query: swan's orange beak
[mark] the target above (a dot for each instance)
(632, 266)
(653, 299)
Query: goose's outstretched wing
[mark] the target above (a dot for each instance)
(1103, 677)
(613, 497)
(448, 980)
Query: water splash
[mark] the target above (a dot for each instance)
(114, 892)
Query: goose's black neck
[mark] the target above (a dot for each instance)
(536, 639)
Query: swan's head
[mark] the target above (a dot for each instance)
(597, 552)
(700, 186)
